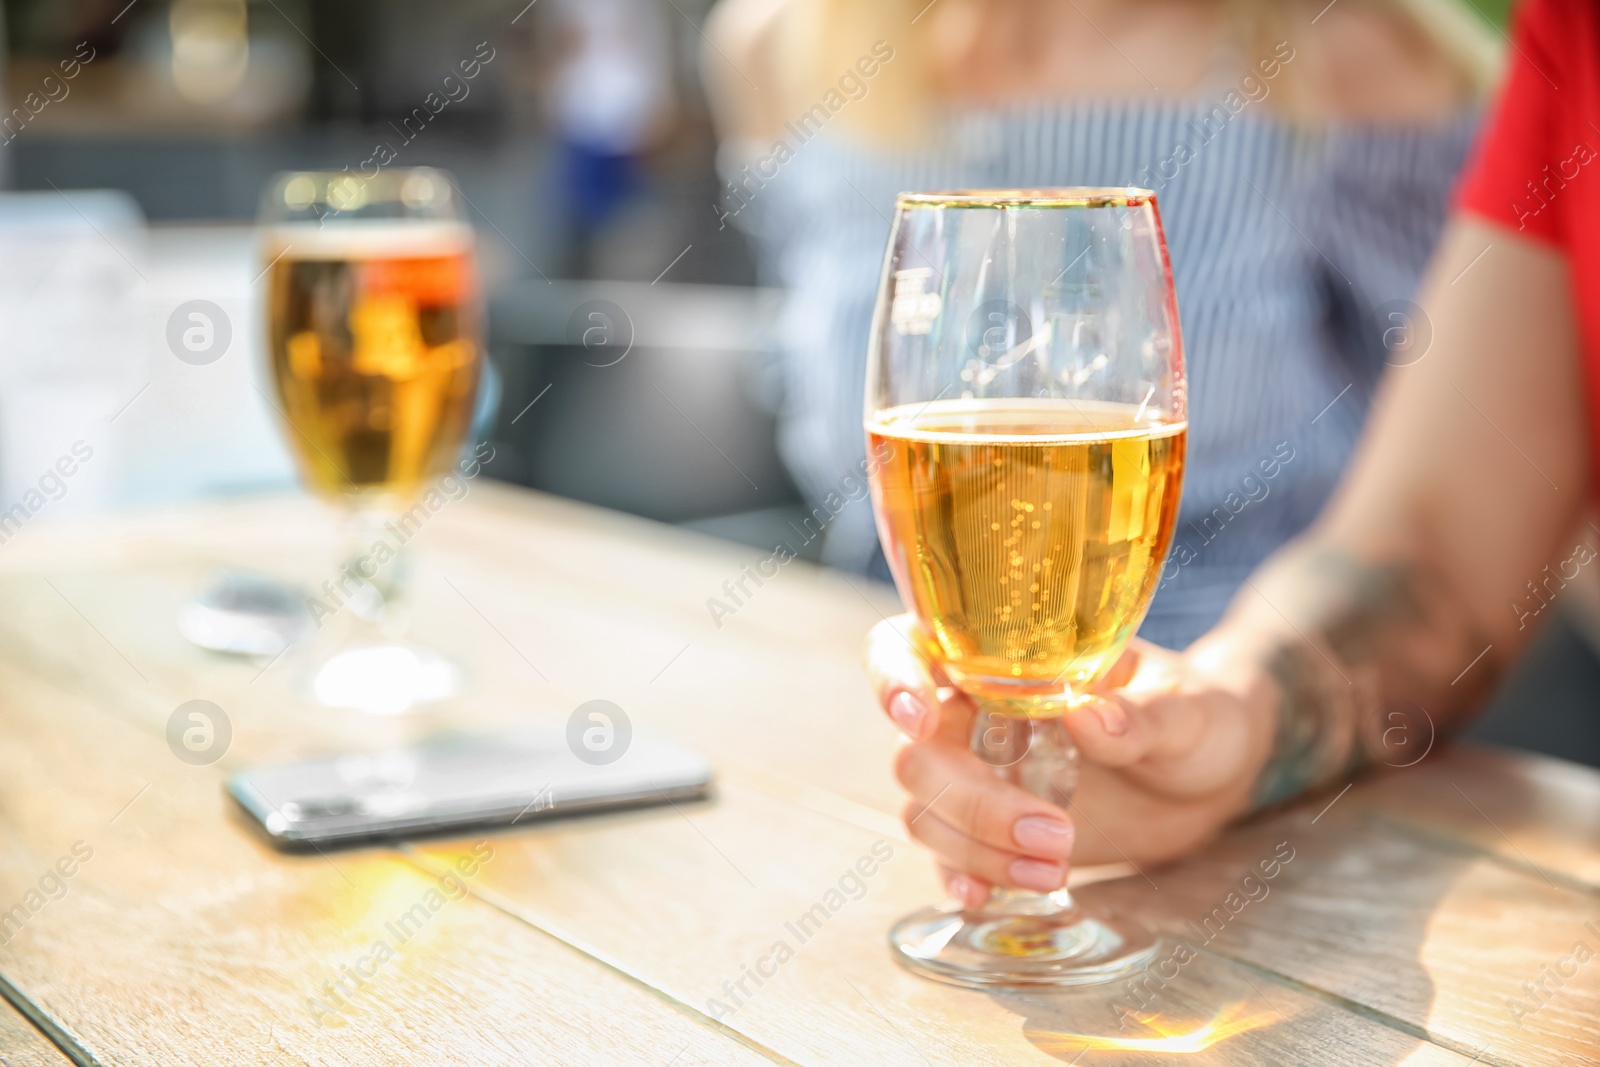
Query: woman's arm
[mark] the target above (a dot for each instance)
(1431, 558)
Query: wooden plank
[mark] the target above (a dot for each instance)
(179, 938)
(542, 631)
(23, 1046)
(689, 900)
(1532, 811)
(1436, 939)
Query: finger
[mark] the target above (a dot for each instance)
(1137, 712)
(1118, 730)
(954, 714)
(965, 889)
(1107, 730)
(992, 865)
(906, 682)
(961, 790)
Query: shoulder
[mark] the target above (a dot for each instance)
(738, 65)
(745, 29)
(1378, 62)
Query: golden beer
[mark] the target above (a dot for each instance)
(1029, 532)
(374, 345)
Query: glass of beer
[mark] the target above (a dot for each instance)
(1026, 423)
(374, 337)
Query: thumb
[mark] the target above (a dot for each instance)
(1111, 729)
(1128, 715)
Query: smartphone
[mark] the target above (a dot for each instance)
(458, 782)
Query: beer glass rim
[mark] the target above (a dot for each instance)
(1065, 196)
(346, 190)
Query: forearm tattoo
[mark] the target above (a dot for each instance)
(1315, 740)
(1371, 647)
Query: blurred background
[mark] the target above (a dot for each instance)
(138, 135)
(582, 145)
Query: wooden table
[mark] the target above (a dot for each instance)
(1419, 915)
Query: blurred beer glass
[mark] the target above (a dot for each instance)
(374, 339)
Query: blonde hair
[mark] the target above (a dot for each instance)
(823, 38)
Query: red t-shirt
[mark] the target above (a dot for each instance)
(1536, 170)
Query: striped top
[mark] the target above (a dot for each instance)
(1291, 248)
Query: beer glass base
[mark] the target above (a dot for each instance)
(982, 949)
(245, 614)
(388, 679)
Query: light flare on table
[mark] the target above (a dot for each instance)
(1230, 1021)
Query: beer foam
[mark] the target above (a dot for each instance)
(367, 239)
(1023, 420)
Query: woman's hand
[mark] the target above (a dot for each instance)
(1170, 747)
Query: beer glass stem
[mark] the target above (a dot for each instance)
(378, 558)
(1036, 754)
(375, 668)
(1017, 939)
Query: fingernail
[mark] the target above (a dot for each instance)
(1040, 833)
(962, 889)
(909, 713)
(1112, 717)
(1037, 875)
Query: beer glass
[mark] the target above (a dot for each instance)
(374, 323)
(1026, 423)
